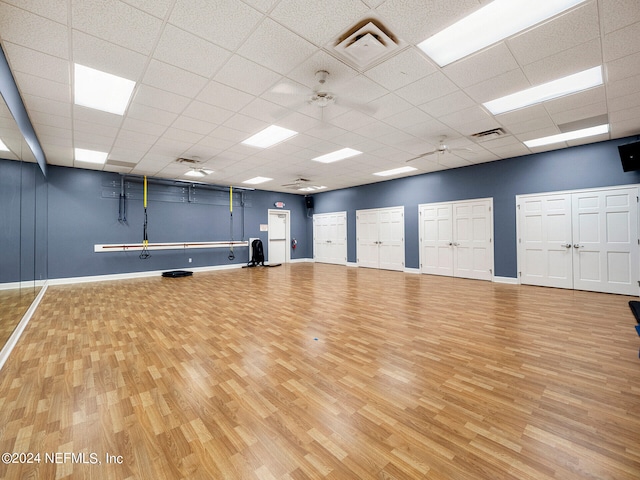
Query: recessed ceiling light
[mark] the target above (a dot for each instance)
(547, 91)
(563, 137)
(90, 156)
(257, 180)
(3, 147)
(101, 90)
(269, 136)
(337, 155)
(395, 171)
(488, 25)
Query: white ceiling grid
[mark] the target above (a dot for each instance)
(211, 74)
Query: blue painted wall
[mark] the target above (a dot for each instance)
(588, 166)
(82, 213)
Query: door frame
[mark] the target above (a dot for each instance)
(287, 241)
(562, 192)
(317, 216)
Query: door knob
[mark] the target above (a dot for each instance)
(567, 245)
(575, 245)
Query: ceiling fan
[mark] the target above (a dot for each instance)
(303, 184)
(441, 150)
(321, 97)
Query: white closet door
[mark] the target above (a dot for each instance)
(278, 236)
(545, 241)
(367, 238)
(473, 243)
(605, 241)
(436, 240)
(330, 238)
(391, 238)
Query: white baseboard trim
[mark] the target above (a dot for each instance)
(25, 284)
(352, 264)
(15, 336)
(412, 270)
(301, 260)
(508, 280)
(126, 276)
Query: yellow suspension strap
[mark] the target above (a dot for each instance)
(145, 239)
(231, 256)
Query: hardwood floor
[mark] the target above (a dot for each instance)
(317, 371)
(13, 305)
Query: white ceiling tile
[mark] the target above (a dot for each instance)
(528, 125)
(618, 14)
(222, 96)
(561, 33)
(622, 43)
(108, 57)
(621, 88)
(214, 143)
(623, 67)
(128, 155)
(402, 69)
(161, 99)
(157, 8)
(145, 113)
(522, 115)
(194, 125)
(265, 110)
(499, 86)
(428, 88)
(407, 118)
(141, 126)
(246, 124)
(481, 66)
(33, 31)
(447, 104)
(319, 22)
(298, 122)
(567, 62)
(247, 76)
(275, 47)
(97, 117)
(417, 20)
(577, 100)
(231, 134)
(189, 52)
(55, 10)
(626, 128)
(40, 118)
(172, 79)
(223, 22)
(388, 105)
(43, 87)
(46, 105)
(580, 113)
(352, 119)
(359, 89)
(55, 132)
(181, 135)
(207, 113)
(116, 22)
(624, 102)
(473, 115)
(82, 126)
(37, 63)
(304, 73)
(262, 5)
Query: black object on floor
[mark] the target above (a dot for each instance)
(257, 255)
(177, 274)
(635, 308)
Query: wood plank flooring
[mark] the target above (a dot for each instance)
(318, 371)
(13, 305)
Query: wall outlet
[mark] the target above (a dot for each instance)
(189, 260)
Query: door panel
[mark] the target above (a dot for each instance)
(367, 234)
(278, 237)
(436, 245)
(380, 238)
(330, 238)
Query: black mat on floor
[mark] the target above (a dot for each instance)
(177, 274)
(635, 308)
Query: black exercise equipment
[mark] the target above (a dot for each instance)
(257, 255)
(177, 274)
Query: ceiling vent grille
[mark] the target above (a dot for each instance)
(366, 44)
(188, 161)
(489, 134)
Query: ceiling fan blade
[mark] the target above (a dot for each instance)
(361, 107)
(423, 155)
(290, 89)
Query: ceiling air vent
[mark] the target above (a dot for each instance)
(367, 43)
(188, 161)
(489, 134)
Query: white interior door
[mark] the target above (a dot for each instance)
(391, 238)
(278, 236)
(380, 238)
(367, 238)
(587, 240)
(330, 238)
(545, 241)
(473, 242)
(605, 241)
(436, 241)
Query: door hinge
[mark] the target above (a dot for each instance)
(491, 271)
(520, 274)
(518, 206)
(519, 240)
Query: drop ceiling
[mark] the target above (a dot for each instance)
(210, 74)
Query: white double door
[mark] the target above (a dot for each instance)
(330, 238)
(585, 240)
(380, 238)
(456, 239)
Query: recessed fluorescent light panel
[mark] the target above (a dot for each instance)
(200, 172)
(488, 25)
(101, 90)
(257, 180)
(563, 137)
(547, 91)
(269, 136)
(312, 188)
(90, 156)
(3, 147)
(395, 171)
(337, 155)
